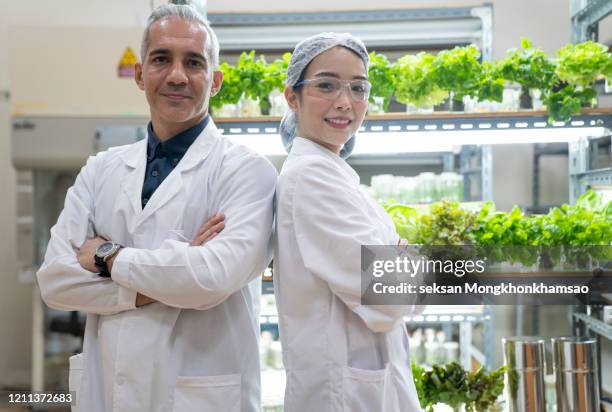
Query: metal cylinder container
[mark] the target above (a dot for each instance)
(526, 366)
(576, 371)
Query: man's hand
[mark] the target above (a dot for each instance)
(209, 230)
(142, 300)
(87, 252)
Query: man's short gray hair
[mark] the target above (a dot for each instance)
(186, 13)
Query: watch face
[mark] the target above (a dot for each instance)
(105, 248)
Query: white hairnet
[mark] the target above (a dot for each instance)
(304, 53)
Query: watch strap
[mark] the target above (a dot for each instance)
(101, 264)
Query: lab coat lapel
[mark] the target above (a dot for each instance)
(173, 184)
(135, 160)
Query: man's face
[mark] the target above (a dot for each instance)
(176, 75)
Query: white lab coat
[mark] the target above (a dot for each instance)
(197, 349)
(339, 355)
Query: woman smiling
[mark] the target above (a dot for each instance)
(339, 355)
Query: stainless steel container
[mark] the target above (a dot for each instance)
(526, 363)
(576, 371)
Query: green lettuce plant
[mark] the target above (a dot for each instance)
(252, 72)
(568, 100)
(274, 75)
(581, 64)
(442, 384)
(382, 77)
(447, 223)
(529, 67)
(452, 385)
(231, 89)
(484, 388)
(458, 71)
(405, 219)
(415, 82)
(578, 67)
(584, 227)
(491, 83)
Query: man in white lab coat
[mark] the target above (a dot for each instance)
(171, 324)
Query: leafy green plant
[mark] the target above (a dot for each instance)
(274, 76)
(581, 228)
(231, 89)
(382, 77)
(425, 80)
(252, 73)
(499, 232)
(447, 223)
(405, 219)
(505, 229)
(442, 384)
(491, 83)
(253, 78)
(452, 385)
(588, 222)
(415, 83)
(529, 67)
(582, 63)
(458, 71)
(567, 101)
(484, 388)
(578, 66)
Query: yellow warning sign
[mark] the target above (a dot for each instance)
(126, 65)
(128, 58)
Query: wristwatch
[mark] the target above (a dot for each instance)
(104, 252)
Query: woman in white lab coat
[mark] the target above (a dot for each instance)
(339, 354)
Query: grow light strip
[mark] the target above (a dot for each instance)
(405, 142)
(441, 141)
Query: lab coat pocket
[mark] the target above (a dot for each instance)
(74, 378)
(207, 393)
(363, 389)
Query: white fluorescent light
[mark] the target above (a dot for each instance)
(393, 143)
(442, 141)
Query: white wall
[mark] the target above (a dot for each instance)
(16, 313)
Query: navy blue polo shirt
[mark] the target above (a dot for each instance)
(162, 157)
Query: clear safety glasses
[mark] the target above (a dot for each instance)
(330, 87)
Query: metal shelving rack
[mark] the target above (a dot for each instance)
(585, 173)
(440, 121)
(584, 167)
(465, 318)
(595, 325)
(584, 154)
(585, 17)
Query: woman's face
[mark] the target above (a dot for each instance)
(326, 120)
